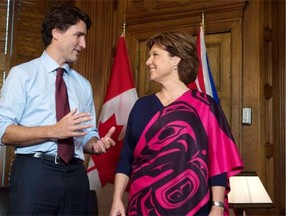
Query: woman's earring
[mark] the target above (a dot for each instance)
(175, 67)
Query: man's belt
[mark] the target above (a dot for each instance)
(51, 157)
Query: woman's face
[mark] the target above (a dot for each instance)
(161, 65)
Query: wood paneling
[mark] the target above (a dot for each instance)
(3, 34)
(263, 77)
(27, 41)
(147, 11)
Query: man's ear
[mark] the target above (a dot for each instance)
(55, 33)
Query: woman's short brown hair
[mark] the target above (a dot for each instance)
(181, 45)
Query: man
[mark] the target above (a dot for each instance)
(43, 180)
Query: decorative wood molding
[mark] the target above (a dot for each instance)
(147, 11)
(268, 91)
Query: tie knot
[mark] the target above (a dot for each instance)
(60, 71)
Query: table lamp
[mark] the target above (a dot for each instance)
(247, 191)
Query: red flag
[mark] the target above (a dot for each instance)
(204, 81)
(118, 102)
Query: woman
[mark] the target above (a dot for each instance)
(178, 151)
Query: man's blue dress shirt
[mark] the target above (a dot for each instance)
(28, 99)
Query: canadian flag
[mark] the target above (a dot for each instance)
(204, 81)
(118, 102)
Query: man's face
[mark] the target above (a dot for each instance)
(70, 43)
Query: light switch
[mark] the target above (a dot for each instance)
(246, 116)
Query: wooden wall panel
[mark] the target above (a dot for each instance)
(263, 78)
(25, 34)
(96, 60)
(3, 34)
(158, 10)
(276, 75)
(27, 41)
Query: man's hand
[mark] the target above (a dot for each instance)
(99, 146)
(72, 125)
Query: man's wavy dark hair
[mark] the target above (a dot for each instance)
(62, 17)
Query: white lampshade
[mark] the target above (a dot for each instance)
(247, 190)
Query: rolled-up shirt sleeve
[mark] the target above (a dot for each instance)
(12, 101)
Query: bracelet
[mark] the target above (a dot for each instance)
(218, 203)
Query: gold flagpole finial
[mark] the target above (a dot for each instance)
(124, 25)
(124, 29)
(203, 21)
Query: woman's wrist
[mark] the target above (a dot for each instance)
(218, 204)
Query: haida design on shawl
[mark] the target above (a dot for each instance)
(181, 147)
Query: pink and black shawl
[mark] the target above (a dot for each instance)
(182, 146)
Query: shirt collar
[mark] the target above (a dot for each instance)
(50, 64)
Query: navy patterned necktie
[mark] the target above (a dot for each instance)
(65, 146)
